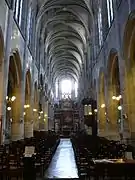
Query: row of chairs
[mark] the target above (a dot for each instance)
(12, 155)
(87, 148)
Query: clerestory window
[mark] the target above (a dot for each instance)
(110, 11)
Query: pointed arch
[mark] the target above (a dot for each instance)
(1, 46)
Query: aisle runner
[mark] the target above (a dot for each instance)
(63, 163)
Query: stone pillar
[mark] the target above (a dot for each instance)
(36, 121)
(28, 129)
(17, 130)
(28, 123)
(46, 116)
(6, 70)
(112, 118)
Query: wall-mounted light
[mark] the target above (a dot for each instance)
(45, 115)
(39, 117)
(13, 98)
(117, 97)
(24, 113)
(90, 113)
(34, 110)
(113, 97)
(41, 112)
(95, 110)
(103, 105)
(9, 108)
(120, 96)
(119, 108)
(44, 120)
(26, 106)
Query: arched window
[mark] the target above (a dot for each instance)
(100, 33)
(110, 11)
(66, 88)
(29, 25)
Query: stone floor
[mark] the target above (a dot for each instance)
(63, 165)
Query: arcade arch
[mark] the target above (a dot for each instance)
(129, 57)
(36, 108)
(114, 96)
(14, 104)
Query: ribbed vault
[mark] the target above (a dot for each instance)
(62, 27)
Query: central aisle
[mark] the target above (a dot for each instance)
(63, 162)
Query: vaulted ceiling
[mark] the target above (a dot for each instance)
(63, 26)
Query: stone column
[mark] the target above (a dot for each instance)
(46, 116)
(28, 129)
(28, 123)
(6, 70)
(17, 122)
(113, 131)
(36, 120)
(17, 130)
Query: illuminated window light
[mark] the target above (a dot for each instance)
(41, 112)
(39, 117)
(95, 110)
(6, 97)
(24, 113)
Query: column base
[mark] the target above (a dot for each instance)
(28, 129)
(17, 131)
